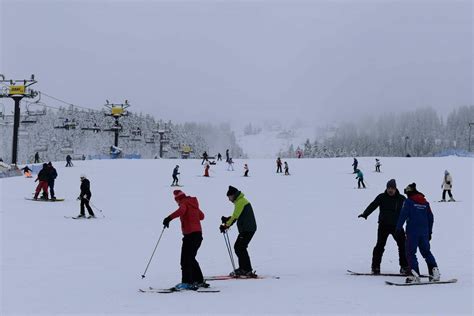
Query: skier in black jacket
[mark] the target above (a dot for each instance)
(52, 175)
(175, 176)
(390, 203)
(85, 197)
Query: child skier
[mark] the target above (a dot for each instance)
(175, 176)
(207, 166)
(417, 213)
(360, 176)
(447, 186)
(246, 170)
(287, 169)
(191, 217)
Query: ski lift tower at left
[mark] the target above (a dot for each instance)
(17, 89)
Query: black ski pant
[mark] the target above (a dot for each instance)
(175, 180)
(246, 174)
(190, 269)
(69, 164)
(279, 168)
(377, 168)
(382, 234)
(361, 181)
(449, 193)
(85, 202)
(240, 248)
(51, 188)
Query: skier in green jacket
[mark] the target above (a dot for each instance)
(247, 226)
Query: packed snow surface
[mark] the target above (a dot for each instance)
(308, 234)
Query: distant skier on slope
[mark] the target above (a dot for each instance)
(68, 161)
(207, 166)
(227, 156)
(416, 211)
(360, 177)
(219, 157)
(287, 169)
(246, 170)
(247, 226)
(355, 164)
(175, 176)
(42, 177)
(37, 157)
(26, 171)
(447, 186)
(204, 157)
(377, 165)
(389, 203)
(279, 164)
(85, 197)
(191, 216)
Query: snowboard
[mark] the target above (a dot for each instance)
(175, 290)
(381, 274)
(42, 200)
(421, 283)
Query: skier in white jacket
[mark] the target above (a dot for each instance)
(447, 186)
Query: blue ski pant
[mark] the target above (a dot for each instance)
(421, 241)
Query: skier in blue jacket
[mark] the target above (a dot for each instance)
(417, 213)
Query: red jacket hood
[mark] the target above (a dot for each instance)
(418, 198)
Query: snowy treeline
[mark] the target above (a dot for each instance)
(57, 133)
(421, 132)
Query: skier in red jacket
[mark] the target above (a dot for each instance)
(191, 217)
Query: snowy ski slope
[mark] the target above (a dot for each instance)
(308, 234)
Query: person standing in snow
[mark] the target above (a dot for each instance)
(360, 177)
(37, 157)
(68, 161)
(227, 156)
(389, 203)
(52, 175)
(246, 170)
(377, 165)
(191, 216)
(207, 166)
(447, 186)
(219, 157)
(85, 197)
(175, 176)
(42, 177)
(355, 164)
(247, 226)
(416, 212)
(279, 164)
(287, 169)
(204, 157)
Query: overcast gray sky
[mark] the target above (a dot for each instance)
(245, 60)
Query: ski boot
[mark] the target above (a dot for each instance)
(80, 216)
(442, 200)
(434, 274)
(405, 271)
(91, 216)
(376, 270)
(413, 278)
(202, 284)
(452, 200)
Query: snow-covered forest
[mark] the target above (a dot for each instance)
(421, 132)
(55, 133)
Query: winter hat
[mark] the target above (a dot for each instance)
(392, 184)
(178, 195)
(83, 176)
(232, 190)
(410, 189)
(50, 164)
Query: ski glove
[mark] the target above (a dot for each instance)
(224, 219)
(362, 215)
(223, 228)
(166, 222)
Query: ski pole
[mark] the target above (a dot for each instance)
(143, 275)
(96, 208)
(229, 249)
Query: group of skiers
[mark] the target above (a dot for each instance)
(46, 178)
(191, 216)
(415, 210)
(279, 165)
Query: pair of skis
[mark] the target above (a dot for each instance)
(209, 289)
(403, 275)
